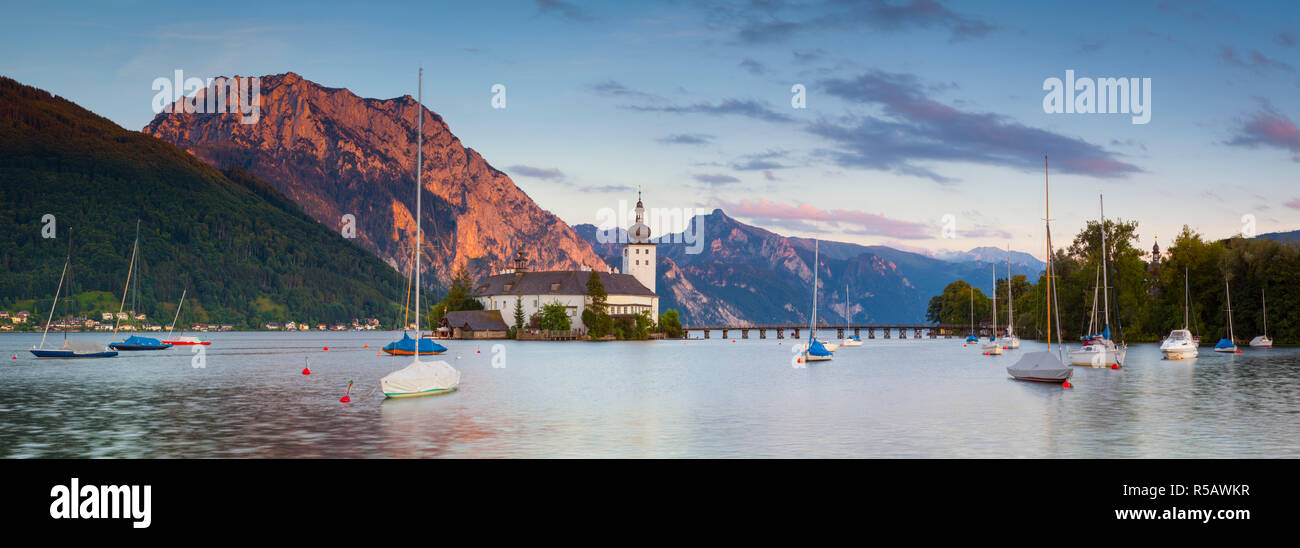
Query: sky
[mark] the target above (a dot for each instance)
(923, 125)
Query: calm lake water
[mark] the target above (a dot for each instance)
(716, 398)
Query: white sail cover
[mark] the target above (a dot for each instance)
(420, 377)
(83, 347)
(1040, 366)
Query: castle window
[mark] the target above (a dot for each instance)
(555, 287)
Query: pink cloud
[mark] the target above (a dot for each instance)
(1293, 204)
(1269, 128)
(860, 222)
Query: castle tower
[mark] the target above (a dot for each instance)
(639, 253)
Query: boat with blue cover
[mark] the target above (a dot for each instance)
(406, 346)
(135, 343)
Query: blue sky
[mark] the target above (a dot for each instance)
(916, 109)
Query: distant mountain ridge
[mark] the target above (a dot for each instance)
(335, 153)
(746, 274)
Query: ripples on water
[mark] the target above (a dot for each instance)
(887, 398)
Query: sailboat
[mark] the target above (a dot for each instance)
(406, 346)
(182, 340)
(134, 342)
(1263, 340)
(1044, 366)
(816, 351)
(1010, 341)
(1228, 345)
(850, 340)
(1098, 349)
(972, 339)
(1180, 344)
(420, 378)
(70, 349)
(992, 348)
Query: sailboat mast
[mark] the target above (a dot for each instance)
(419, 169)
(1105, 284)
(1227, 292)
(812, 331)
(1187, 292)
(1011, 309)
(129, 271)
(1264, 301)
(1047, 212)
(994, 335)
(178, 314)
(56, 297)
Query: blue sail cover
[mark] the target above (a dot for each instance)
(856, 338)
(1224, 343)
(815, 348)
(136, 340)
(407, 346)
(972, 338)
(1105, 334)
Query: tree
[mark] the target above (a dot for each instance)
(596, 293)
(670, 324)
(519, 312)
(554, 317)
(459, 297)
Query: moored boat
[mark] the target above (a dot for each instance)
(1227, 345)
(816, 351)
(1181, 344)
(70, 349)
(406, 346)
(419, 378)
(1262, 341)
(1044, 366)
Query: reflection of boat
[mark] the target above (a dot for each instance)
(1228, 345)
(992, 348)
(1263, 340)
(70, 349)
(406, 346)
(184, 340)
(1098, 349)
(1180, 344)
(1044, 366)
(816, 350)
(419, 378)
(1010, 341)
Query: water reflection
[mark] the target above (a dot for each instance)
(895, 398)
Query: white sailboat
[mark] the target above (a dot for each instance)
(1228, 345)
(1098, 349)
(849, 340)
(992, 347)
(1263, 341)
(1045, 366)
(1009, 340)
(419, 378)
(816, 350)
(183, 340)
(971, 338)
(70, 349)
(1180, 344)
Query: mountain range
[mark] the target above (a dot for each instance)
(337, 154)
(244, 253)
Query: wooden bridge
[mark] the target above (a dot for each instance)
(918, 331)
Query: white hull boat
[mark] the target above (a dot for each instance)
(1010, 343)
(1098, 353)
(992, 349)
(1261, 342)
(1179, 345)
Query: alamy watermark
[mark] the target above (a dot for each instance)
(181, 95)
(1085, 95)
(659, 219)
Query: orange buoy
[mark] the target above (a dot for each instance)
(365, 346)
(800, 360)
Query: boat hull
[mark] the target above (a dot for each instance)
(1012, 343)
(850, 342)
(430, 392)
(394, 352)
(1180, 354)
(139, 347)
(1097, 354)
(992, 350)
(188, 343)
(1228, 350)
(68, 354)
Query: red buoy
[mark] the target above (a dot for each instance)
(345, 399)
(1238, 350)
(1066, 384)
(306, 371)
(326, 349)
(1114, 366)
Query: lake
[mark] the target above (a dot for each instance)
(699, 398)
